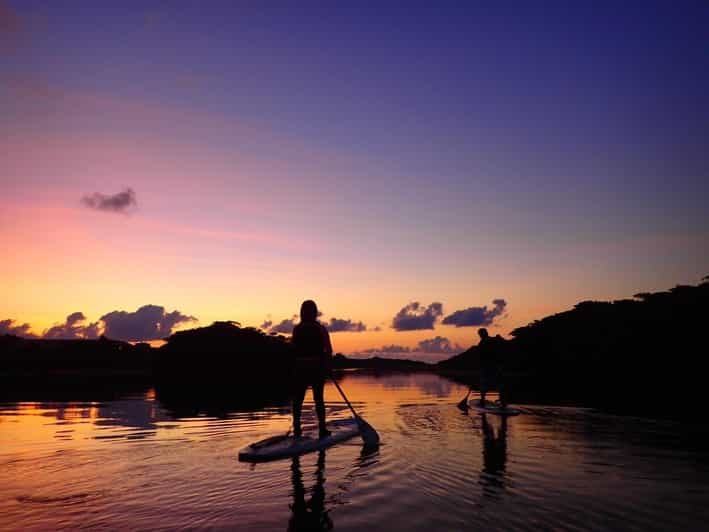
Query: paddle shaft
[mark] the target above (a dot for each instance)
(367, 432)
(344, 397)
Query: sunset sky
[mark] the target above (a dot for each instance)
(227, 161)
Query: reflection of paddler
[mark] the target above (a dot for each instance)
(310, 515)
(494, 447)
(312, 363)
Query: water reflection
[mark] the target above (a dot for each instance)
(168, 456)
(310, 514)
(428, 383)
(492, 476)
(314, 513)
(219, 401)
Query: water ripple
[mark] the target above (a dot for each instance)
(130, 464)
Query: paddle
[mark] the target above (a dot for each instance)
(369, 435)
(463, 405)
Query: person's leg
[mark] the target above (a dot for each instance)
(298, 396)
(318, 395)
(483, 386)
(501, 387)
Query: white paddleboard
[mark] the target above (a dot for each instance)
(493, 408)
(284, 446)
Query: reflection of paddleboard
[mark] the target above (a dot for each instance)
(286, 446)
(493, 408)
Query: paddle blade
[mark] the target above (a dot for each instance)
(369, 435)
(463, 405)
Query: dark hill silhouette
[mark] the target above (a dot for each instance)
(224, 351)
(62, 358)
(221, 351)
(249, 356)
(642, 355)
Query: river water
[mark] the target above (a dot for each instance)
(133, 462)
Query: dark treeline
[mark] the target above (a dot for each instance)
(90, 358)
(216, 369)
(223, 351)
(641, 355)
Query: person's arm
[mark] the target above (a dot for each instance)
(327, 349)
(294, 339)
(328, 344)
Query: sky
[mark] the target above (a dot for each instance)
(419, 170)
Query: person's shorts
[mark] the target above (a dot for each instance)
(306, 375)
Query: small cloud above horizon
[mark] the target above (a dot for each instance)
(283, 327)
(438, 345)
(385, 349)
(416, 317)
(335, 325)
(73, 329)
(120, 202)
(149, 322)
(476, 316)
(345, 325)
(10, 326)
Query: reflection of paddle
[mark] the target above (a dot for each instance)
(369, 435)
(463, 405)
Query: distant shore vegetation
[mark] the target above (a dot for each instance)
(641, 354)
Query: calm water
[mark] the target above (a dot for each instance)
(131, 463)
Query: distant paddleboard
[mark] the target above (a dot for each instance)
(277, 447)
(493, 408)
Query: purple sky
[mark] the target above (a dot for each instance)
(368, 157)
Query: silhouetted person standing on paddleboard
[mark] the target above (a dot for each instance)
(313, 359)
(491, 351)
